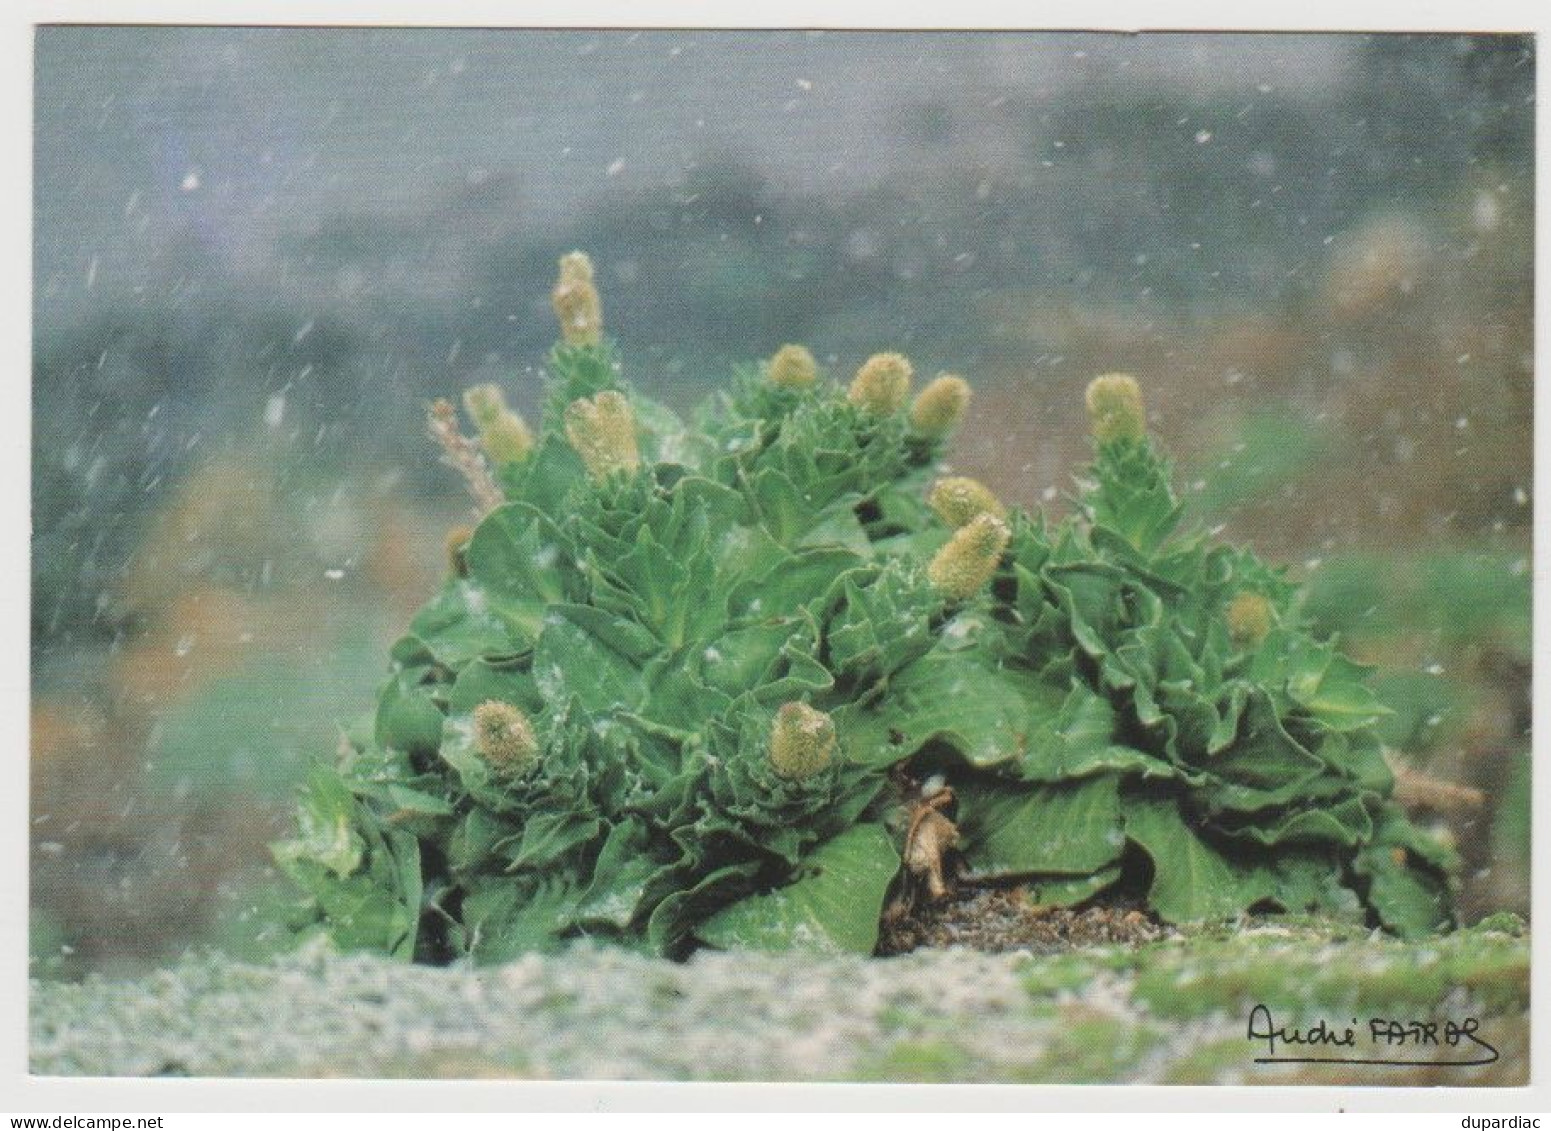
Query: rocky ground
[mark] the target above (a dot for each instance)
(1096, 1003)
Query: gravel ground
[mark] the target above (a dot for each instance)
(1167, 1011)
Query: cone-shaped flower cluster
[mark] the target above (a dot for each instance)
(882, 384)
(792, 367)
(576, 301)
(1249, 619)
(963, 566)
(504, 737)
(1115, 409)
(602, 430)
(958, 499)
(940, 407)
(502, 432)
(802, 741)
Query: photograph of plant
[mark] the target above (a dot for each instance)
(912, 557)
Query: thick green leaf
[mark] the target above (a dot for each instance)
(476, 838)
(833, 907)
(1265, 767)
(548, 837)
(1009, 830)
(1405, 870)
(1131, 494)
(618, 888)
(1311, 881)
(505, 682)
(519, 563)
(460, 624)
(571, 661)
(413, 801)
(1319, 679)
(987, 715)
(1346, 822)
(1192, 881)
(503, 920)
(1078, 740)
(674, 919)
(325, 826)
(1063, 891)
(792, 582)
(408, 719)
(546, 478)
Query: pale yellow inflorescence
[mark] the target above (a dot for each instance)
(1249, 619)
(502, 432)
(940, 406)
(504, 737)
(882, 384)
(1115, 409)
(963, 566)
(958, 499)
(792, 367)
(602, 430)
(802, 741)
(576, 301)
(507, 438)
(484, 403)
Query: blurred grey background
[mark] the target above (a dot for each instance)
(260, 252)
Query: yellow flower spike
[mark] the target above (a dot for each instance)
(792, 367)
(504, 737)
(940, 407)
(484, 403)
(882, 384)
(1249, 619)
(802, 741)
(576, 301)
(1115, 409)
(602, 430)
(503, 433)
(963, 566)
(506, 438)
(958, 499)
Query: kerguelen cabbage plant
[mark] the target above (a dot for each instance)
(758, 679)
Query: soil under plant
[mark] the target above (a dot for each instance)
(1009, 919)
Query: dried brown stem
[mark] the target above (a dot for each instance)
(1416, 790)
(463, 455)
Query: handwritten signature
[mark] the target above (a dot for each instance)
(1366, 1044)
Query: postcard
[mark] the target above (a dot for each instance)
(846, 556)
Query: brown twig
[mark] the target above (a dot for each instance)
(463, 455)
(1414, 789)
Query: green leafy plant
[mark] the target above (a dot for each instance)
(743, 681)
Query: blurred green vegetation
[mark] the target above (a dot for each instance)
(1458, 595)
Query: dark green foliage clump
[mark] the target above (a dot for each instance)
(739, 658)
